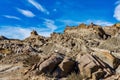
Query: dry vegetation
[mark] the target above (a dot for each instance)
(75, 76)
(31, 60)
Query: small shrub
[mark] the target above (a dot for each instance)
(111, 44)
(31, 60)
(75, 76)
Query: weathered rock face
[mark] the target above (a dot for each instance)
(55, 65)
(112, 30)
(118, 70)
(65, 67)
(91, 51)
(92, 67)
(108, 58)
(89, 32)
(84, 26)
(34, 33)
(50, 64)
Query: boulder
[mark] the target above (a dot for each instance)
(67, 66)
(91, 65)
(87, 64)
(108, 58)
(98, 75)
(49, 65)
(118, 70)
(64, 68)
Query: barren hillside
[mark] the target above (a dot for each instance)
(83, 52)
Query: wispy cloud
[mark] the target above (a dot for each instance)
(117, 11)
(11, 17)
(117, 2)
(50, 24)
(70, 22)
(16, 32)
(99, 22)
(38, 6)
(20, 32)
(26, 13)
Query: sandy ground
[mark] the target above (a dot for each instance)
(11, 71)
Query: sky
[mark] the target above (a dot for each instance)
(19, 17)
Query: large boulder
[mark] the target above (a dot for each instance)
(49, 65)
(66, 66)
(108, 58)
(93, 66)
(55, 65)
(86, 65)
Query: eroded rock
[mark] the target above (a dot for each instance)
(49, 65)
(108, 58)
(93, 66)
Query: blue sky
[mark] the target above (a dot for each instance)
(19, 17)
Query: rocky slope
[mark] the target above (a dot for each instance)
(83, 52)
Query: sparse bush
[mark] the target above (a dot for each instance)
(31, 60)
(111, 44)
(75, 76)
(1, 56)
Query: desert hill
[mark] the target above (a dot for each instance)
(83, 52)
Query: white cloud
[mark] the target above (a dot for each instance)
(70, 22)
(18, 32)
(74, 23)
(12, 17)
(50, 24)
(26, 13)
(38, 6)
(14, 32)
(117, 12)
(118, 2)
(99, 22)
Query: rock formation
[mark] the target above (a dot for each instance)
(92, 52)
